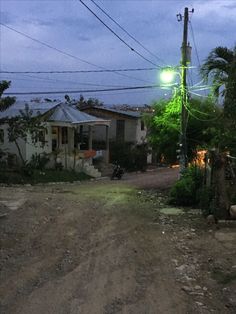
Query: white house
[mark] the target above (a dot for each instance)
(68, 135)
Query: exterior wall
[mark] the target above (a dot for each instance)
(141, 135)
(133, 132)
(99, 132)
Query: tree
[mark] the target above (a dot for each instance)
(91, 102)
(220, 67)
(5, 102)
(203, 126)
(23, 125)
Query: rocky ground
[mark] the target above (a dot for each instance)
(112, 247)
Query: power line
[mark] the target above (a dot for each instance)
(131, 36)
(115, 34)
(82, 91)
(49, 46)
(194, 43)
(78, 71)
(63, 81)
(65, 53)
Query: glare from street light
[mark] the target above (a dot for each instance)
(167, 75)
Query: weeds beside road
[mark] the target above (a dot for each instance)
(111, 247)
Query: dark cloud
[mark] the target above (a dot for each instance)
(68, 26)
(7, 18)
(230, 6)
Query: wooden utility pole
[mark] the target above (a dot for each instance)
(184, 94)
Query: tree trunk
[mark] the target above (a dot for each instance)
(19, 151)
(221, 199)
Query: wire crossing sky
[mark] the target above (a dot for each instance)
(66, 47)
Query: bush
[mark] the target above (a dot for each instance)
(205, 200)
(185, 191)
(182, 193)
(38, 161)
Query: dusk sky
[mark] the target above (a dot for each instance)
(70, 27)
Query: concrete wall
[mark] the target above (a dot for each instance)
(133, 132)
(141, 135)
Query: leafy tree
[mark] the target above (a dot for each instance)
(5, 102)
(91, 102)
(164, 126)
(23, 125)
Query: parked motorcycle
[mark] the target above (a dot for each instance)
(118, 172)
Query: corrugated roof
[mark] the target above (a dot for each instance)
(129, 113)
(69, 114)
(35, 107)
(57, 112)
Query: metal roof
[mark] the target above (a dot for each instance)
(69, 114)
(54, 112)
(129, 113)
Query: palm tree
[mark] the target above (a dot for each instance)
(220, 67)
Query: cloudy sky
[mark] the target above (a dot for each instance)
(79, 41)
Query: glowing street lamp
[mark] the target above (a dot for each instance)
(167, 75)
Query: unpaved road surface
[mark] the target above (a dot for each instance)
(107, 247)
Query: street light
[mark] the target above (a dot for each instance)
(167, 75)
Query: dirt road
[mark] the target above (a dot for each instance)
(110, 247)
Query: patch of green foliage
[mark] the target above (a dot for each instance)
(204, 197)
(185, 190)
(203, 128)
(122, 200)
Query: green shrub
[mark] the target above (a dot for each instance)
(182, 193)
(204, 199)
(185, 191)
(38, 161)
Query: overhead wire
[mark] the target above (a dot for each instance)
(64, 81)
(81, 91)
(124, 30)
(116, 35)
(66, 53)
(79, 71)
(195, 47)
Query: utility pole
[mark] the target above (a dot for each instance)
(185, 59)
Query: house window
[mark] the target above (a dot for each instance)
(142, 125)
(120, 130)
(64, 135)
(1, 136)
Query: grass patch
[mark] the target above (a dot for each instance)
(120, 199)
(45, 176)
(222, 277)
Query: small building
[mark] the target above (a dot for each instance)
(68, 136)
(126, 126)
